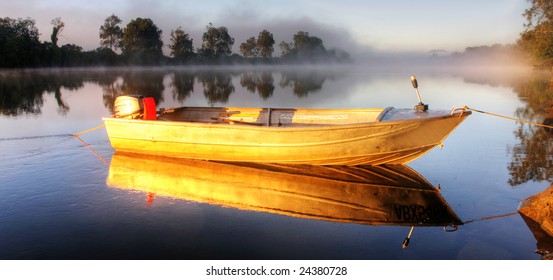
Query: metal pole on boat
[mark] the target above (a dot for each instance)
(421, 106)
(416, 86)
(406, 241)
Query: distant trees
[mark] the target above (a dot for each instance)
(19, 44)
(265, 44)
(249, 48)
(111, 33)
(262, 47)
(306, 48)
(18, 29)
(216, 42)
(141, 43)
(181, 44)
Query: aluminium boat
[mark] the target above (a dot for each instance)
(361, 136)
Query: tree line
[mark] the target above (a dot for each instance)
(140, 43)
(536, 41)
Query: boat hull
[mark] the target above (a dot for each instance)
(399, 138)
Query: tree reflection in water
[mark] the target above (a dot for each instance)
(183, 86)
(111, 90)
(21, 92)
(303, 83)
(149, 83)
(217, 86)
(533, 156)
(262, 82)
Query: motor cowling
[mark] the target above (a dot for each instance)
(135, 107)
(128, 106)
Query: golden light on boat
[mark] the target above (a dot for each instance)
(291, 136)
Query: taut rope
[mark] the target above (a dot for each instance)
(509, 118)
(88, 130)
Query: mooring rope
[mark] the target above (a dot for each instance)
(509, 118)
(35, 137)
(51, 136)
(491, 218)
(91, 149)
(88, 130)
(76, 135)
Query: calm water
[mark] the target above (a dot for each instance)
(58, 202)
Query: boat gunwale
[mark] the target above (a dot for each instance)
(286, 128)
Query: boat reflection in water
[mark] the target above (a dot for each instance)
(373, 195)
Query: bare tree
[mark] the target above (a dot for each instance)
(56, 30)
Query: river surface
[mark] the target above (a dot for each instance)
(60, 197)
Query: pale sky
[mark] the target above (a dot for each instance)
(353, 25)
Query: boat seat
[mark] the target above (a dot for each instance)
(149, 108)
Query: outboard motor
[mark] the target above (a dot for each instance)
(128, 106)
(134, 107)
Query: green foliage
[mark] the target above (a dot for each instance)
(19, 44)
(181, 44)
(216, 42)
(141, 41)
(262, 47)
(265, 44)
(249, 48)
(101, 56)
(111, 32)
(537, 38)
(23, 28)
